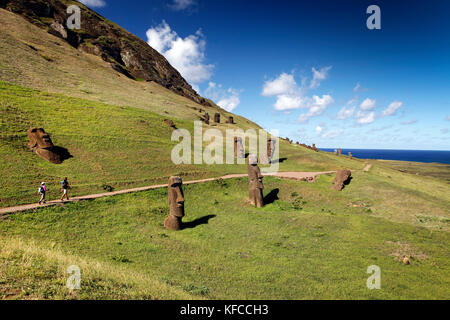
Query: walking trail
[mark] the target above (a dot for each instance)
(285, 175)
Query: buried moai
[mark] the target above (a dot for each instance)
(206, 119)
(238, 148)
(255, 193)
(176, 204)
(42, 145)
(230, 120)
(217, 117)
(267, 158)
(343, 178)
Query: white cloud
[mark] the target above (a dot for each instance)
(93, 3)
(318, 105)
(332, 134)
(179, 5)
(186, 55)
(367, 104)
(408, 122)
(284, 84)
(287, 102)
(226, 99)
(392, 108)
(319, 129)
(365, 117)
(318, 76)
(356, 88)
(447, 118)
(345, 113)
(292, 96)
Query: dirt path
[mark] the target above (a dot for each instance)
(285, 175)
(367, 168)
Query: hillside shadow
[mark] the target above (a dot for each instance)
(272, 196)
(63, 153)
(281, 160)
(197, 222)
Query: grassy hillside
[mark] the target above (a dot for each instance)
(307, 244)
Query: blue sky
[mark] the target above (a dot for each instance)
(311, 69)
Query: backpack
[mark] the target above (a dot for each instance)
(64, 184)
(41, 189)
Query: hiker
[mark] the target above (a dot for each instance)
(42, 191)
(65, 189)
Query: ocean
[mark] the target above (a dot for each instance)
(402, 155)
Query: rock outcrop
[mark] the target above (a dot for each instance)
(127, 53)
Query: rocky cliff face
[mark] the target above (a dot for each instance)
(126, 53)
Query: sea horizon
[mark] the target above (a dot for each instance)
(424, 156)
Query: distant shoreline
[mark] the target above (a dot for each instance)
(424, 156)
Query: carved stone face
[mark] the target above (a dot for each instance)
(217, 117)
(176, 198)
(39, 138)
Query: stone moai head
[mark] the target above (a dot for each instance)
(238, 148)
(176, 204)
(230, 120)
(207, 118)
(255, 182)
(271, 145)
(39, 138)
(217, 118)
(42, 145)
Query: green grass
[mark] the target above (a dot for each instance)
(294, 248)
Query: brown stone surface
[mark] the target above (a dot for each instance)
(176, 204)
(206, 118)
(343, 178)
(170, 123)
(41, 143)
(255, 182)
(238, 148)
(217, 117)
(230, 120)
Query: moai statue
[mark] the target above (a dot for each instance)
(176, 204)
(207, 118)
(315, 148)
(42, 145)
(238, 148)
(217, 118)
(271, 145)
(350, 155)
(230, 120)
(342, 178)
(255, 177)
(339, 152)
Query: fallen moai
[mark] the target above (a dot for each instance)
(170, 123)
(256, 186)
(176, 204)
(41, 143)
(342, 178)
(238, 148)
